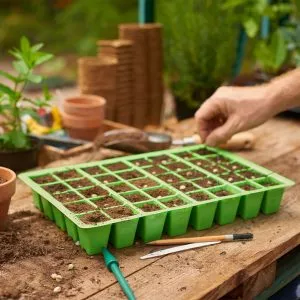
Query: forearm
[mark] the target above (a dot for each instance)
(283, 92)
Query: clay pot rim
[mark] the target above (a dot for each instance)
(13, 177)
(77, 118)
(98, 101)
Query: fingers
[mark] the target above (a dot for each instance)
(222, 133)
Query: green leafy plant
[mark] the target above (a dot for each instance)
(200, 42)
(13, 102)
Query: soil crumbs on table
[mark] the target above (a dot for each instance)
(32, 248)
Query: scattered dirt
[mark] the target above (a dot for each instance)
(130, 175)
(119, 188)
(178, 166)
(147, 207)
(68, 174)
(116, 166)
(107, 201)
(199, 196)
(222, 193)
(55, 188)
(44, 179)
(94, 170)
(93, 218)
(144, 183)
(250, 174)
(206, 182)
(80, 183)
(174, 203)
(80, 207)
(67, 197)
(247, 187)
(184, 186)
(141, 162)
(185, 155)
(94, 192)
(191, 174)
(107, 179)
(231, 177)
(169, 178)
(162, 159)
(204, 152)
(119, 212)
(155, 170)
(137, 197)
(220, 159)
(158, 193)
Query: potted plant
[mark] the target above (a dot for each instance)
(17, 151)
(200, 42)
(7, 189)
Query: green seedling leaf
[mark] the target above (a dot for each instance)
(8, 76)
(37, 47)
(18, 139)
(251, 27)
(35, 78)
(16, 53)
(278, 48)
(43, 57)
(25, 45)
(47, 94)
(21, 67)
(7, 90)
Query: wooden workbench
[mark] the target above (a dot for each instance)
(208, 273)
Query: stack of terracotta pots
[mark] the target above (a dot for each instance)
(83, 116)
(121, 50)
(7, 190)
(97, 76)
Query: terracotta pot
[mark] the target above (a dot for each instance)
(84, 128)
(85, 105)
(7, 189)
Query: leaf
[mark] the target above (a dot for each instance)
(35, 78)
(8, 76)
(30, 111)
(278, 48)
(37, 47)
(20, 67)
(43, 58)
(16, 53)
(47, 94)
(251, 27)
(18, 138)
(7, 90)
(25, 45)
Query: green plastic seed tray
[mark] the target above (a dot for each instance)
(143, 196)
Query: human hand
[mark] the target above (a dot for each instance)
(231, 110)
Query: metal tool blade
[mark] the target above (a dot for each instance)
(178, 249)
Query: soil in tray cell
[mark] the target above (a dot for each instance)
(55, 188)
(201, 163)
(68, 174)
(144, 183)
(247, 187)
(116, 166)
(43, 179)
(141, 162)
(207, 182)
(199, 196)
(136, 197)
(170, 178)
(94, 191)
(80, 183)
(204, 152)
(119, 188)
(93, 218)
(235, 167)
(67, 197)
(80, 207)
(174, 203)
(106, 201)
(177, 166)
(222, 193)
(191, 174)
(215, 169)
(162, 159)
(148, 207)
(159, 193)
(185, 155)
(268, 182)
(250, 174)
(107, 179)
(130, 174)
(93, 170)
(219, 159)
(155, 170)
(231, 177)
(184, 186)
(119, 212)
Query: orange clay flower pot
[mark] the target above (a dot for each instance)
(83, 116)
(7, 190)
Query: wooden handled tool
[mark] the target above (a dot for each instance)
(222, 238)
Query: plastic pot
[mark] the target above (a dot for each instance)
(91, 106)
(7, 190)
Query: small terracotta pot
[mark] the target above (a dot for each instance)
(85, 105)
(7, 190)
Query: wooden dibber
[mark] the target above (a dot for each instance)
(222, 238)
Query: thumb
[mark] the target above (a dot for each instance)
(222, 133)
